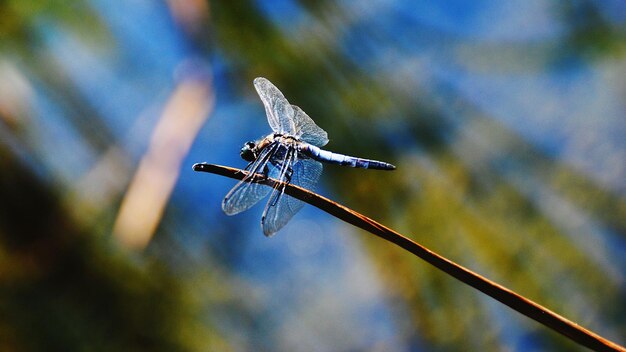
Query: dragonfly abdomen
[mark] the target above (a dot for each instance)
(320, 154)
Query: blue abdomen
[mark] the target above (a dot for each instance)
(340, 159)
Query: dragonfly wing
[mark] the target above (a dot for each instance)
(307, 130)
(278, 110)
(246, 194)
(281, 207)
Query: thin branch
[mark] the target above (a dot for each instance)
(519, 303)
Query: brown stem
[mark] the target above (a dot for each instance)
(519, 303)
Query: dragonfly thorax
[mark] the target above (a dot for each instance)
(251, 150)
(286, 139)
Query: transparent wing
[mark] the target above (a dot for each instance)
(278, 110)
(281, 207)
(307, 130)
(246, 194)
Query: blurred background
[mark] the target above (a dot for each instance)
(506, 120)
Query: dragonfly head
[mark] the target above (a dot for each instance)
(247, 151)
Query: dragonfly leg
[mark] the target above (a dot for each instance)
(254, 169)
(288, 175)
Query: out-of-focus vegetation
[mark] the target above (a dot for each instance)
(506, 122)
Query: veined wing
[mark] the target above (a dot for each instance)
(281, 208)
(278, 110)
(307, 130)
(246, 194)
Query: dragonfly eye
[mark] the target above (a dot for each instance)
(247, 151)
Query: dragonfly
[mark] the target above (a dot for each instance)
(291, 154)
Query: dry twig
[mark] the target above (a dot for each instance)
(519, 303)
